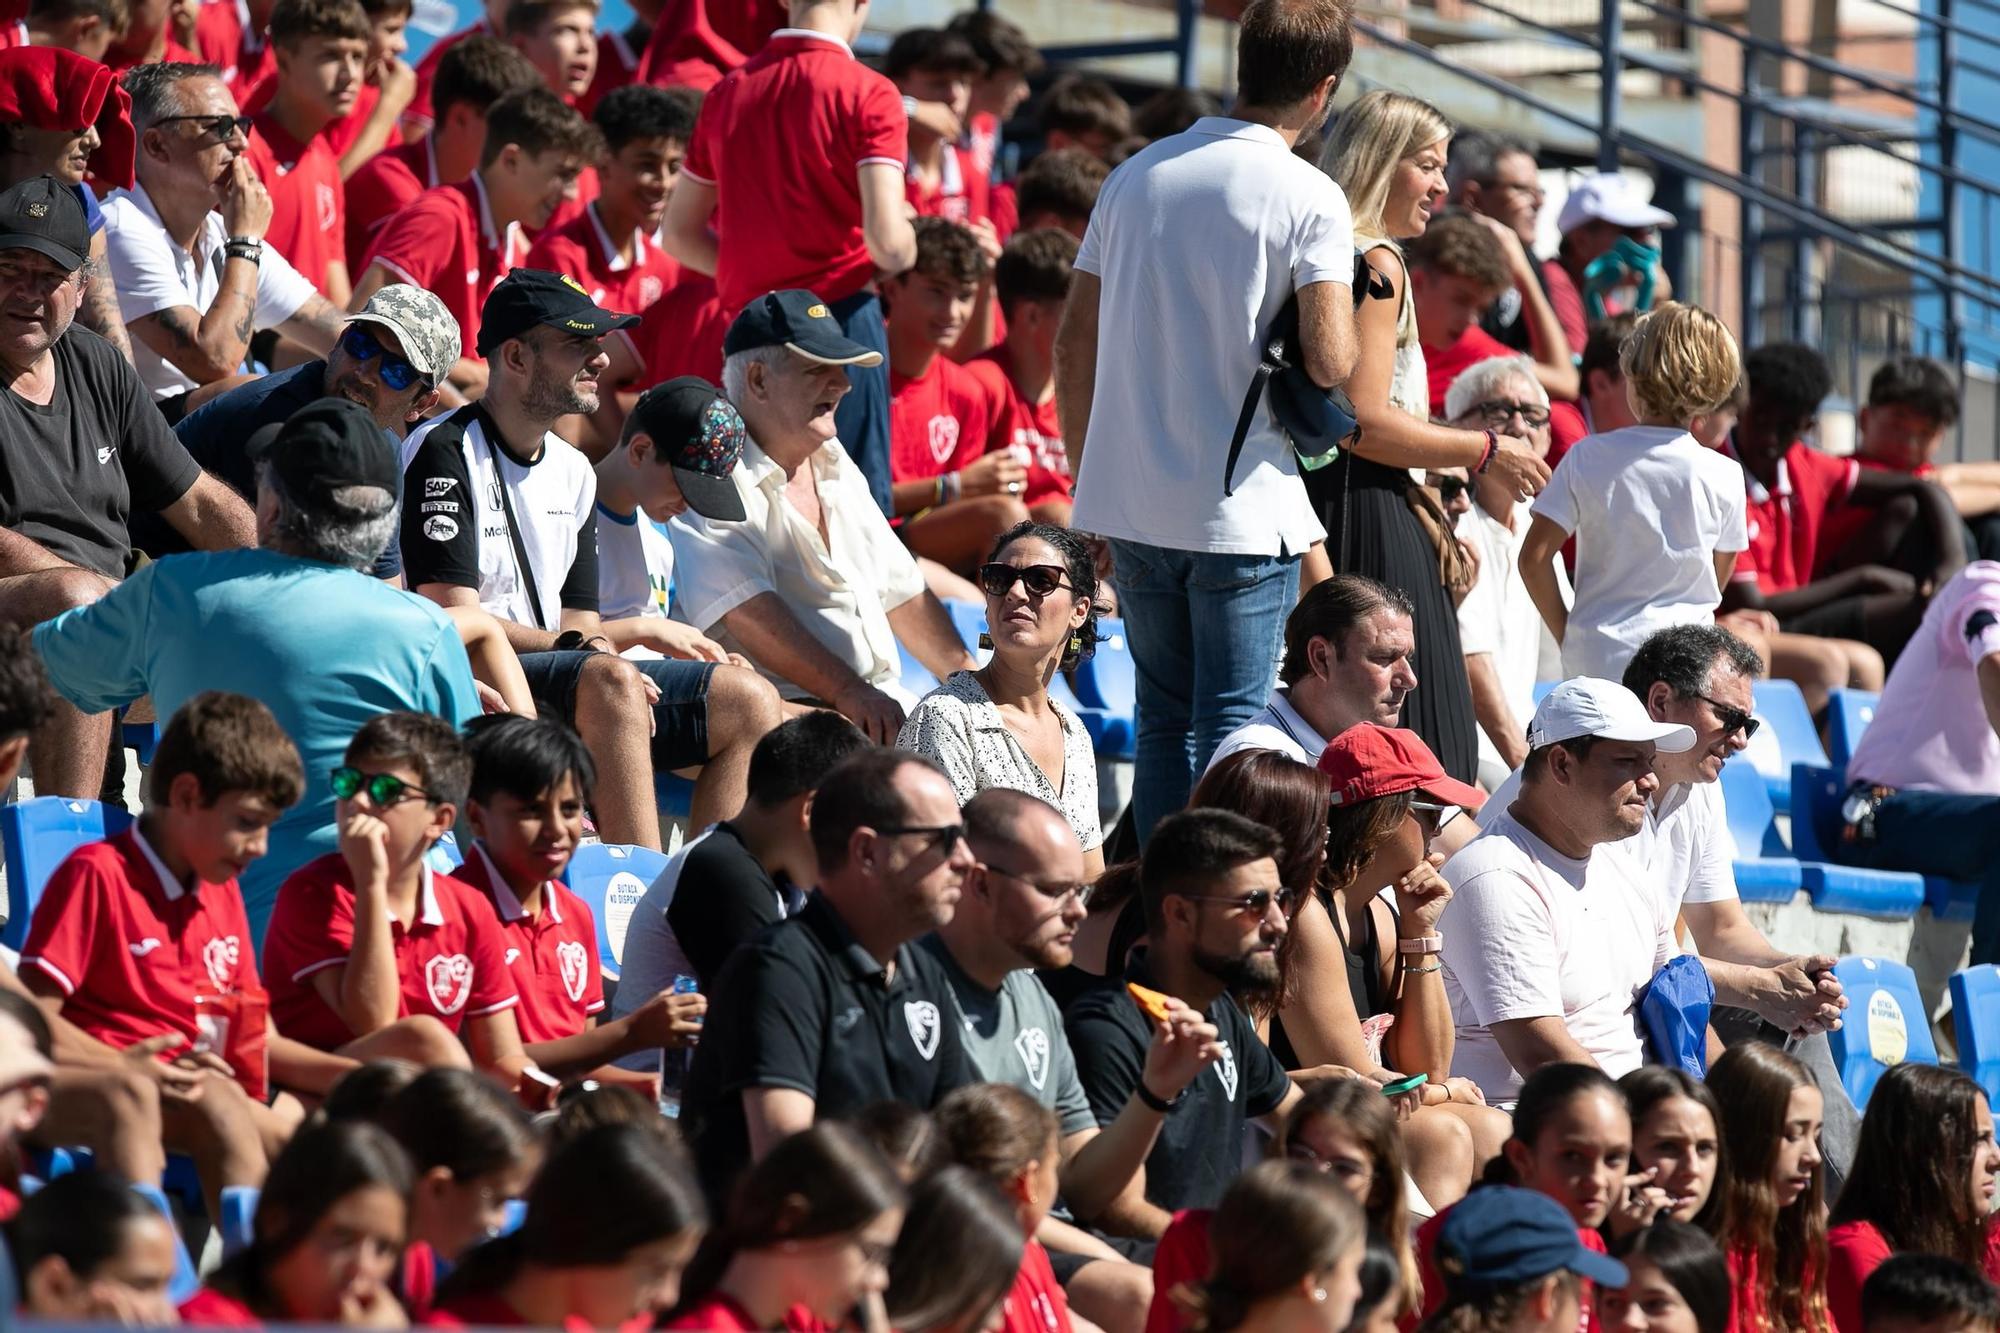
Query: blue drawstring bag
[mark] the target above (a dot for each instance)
(1674, 1015)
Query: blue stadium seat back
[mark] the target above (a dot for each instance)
(1108, 678)
(916, 677)
(1815, 806)
(186, 1281)
(1886, 1024)
(1847, 716)
(1111, 736)
(1764, 868)
(39, 835)
(969, 619)
(612, 878)
(53, 1163)
(674, 795)
(238, 1225)
(1950, 899)
(183, 1182)
(1787, 737)
(445, 855)
(142, 737)
(1889, 895)
(1975, 1022)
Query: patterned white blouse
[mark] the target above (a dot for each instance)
(957, 725)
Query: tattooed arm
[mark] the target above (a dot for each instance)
(207, 346)
(315, 325)
(99, 312)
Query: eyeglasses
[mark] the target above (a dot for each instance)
(1039, 580)
(1256, 902)
(219, 128)
(937, 837)
(1448, 488)
(384, 789)
(1053, 892)
(1733, 719)
(396, 373)
(1344, 1167)
(1433, 816)
(1496, 411)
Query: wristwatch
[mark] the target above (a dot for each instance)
(244, 247)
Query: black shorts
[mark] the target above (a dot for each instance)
(1067, 1265)
(1842, 619)
(680, 718)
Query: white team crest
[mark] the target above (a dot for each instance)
(922, 1016)
(1225, 1069)
(1032, 1045)
(651, 289)
(329, 207)
(944, 437)
(219, 956)
(574, 965)
(449, 979)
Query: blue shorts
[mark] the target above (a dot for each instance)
(680, 718)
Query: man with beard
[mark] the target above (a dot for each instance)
(1216, 912)
(499, 513)
(1550, 932)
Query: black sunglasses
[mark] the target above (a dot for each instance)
(1450, 488)
(937, 837)
(1039, 580)
(384, 789)
(220, 128)
(1733, 719)
(1495, 411)
(396, 373)
(1256, 902)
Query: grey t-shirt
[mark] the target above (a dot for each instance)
(1015, 1035)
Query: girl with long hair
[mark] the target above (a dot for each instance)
(1923, 1181)
(613, 1217)
(956, 1259)
(1016, 1142)
(808, 1237)
(1679, 1282)
(1288, 1244)
(1677, 1135)
(1774, 1219)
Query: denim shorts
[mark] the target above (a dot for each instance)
(680, 718)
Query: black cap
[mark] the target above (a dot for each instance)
(45, 215)
(698, 433)
(799, 320)
(528, 297)
(326, 445)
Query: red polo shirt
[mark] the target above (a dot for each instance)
(445, 242)
(1445, 364)
(209, 1308)
(418, 116)
(1031, 430)
(721, 1314)
(382, 187)
(682, 334)
(1036, 1303)
(695, 43)
(783, 141)
(583, 249)
(308, 205)
(341, 134)
(131, 949)
(173, 53)
(1785, 519)
(961, 193)
(553, 956)
(451, 961)
(938, 422)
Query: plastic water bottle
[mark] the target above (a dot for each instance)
(674, 1063)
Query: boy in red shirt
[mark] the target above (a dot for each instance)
(952, 496)
(559, 38)
(1032, 278)
(475, 74)
(231, 38)
(1009, 61)
(370, 935)
(1912, 406)
(386, 86)
(147, 39)
(933, 65)
(1458, 268)
(321, 47)
(797, 160)
(618, 55)
(459, 240)
(530, 780)
(141, 941)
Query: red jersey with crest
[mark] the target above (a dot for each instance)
(938, 422)
(1031, 430)
(584, 250)
(445, 241)
(451, 961)
(308, 204)
(381, 188)
(682, 334)
(553, 955)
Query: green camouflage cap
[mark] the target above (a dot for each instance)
(428, 333)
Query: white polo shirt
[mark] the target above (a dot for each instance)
(1199, 240)
(154, 274)
(1499, 619)
(1276, 726)
(841, 589)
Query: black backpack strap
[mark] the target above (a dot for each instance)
(1266, 367)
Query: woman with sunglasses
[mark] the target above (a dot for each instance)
(999, 726)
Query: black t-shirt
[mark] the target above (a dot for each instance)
(1200, 1147)
(804, 1006)
(71, 473)
(1507, 318)
(732, 898)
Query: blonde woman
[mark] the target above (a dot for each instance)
(1659, 520)
(1387, 152)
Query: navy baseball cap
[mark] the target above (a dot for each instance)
(529, 297)
(1501, 1236)
(698, 433)
(44, 215)
(797, 319)
(326, 445)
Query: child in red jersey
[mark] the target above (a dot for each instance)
(329, 1228)
(1774, 1232)
(1032, 279)
(530, 780)
(938, 66)
(1005, 1134)
(370, 126)
(321, 50)
(141, 941)
(1009, 61)
(370, 935)
(559, 38)
(953, 495)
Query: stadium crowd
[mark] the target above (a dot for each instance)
(467, 463)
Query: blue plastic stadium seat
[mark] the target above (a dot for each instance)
(1787, 737)
(144, 737)
(1975, 1022)
(1107, 682)
(186, 1281)
(444, 855)
(673, 794)
(969, 619)
(611, 879)
(916, 678)
(1766, 871)
(239, 1217)
(1848, 714)
(1891, 895)
(1886, 1024)
(1950, 899)
(39, 835)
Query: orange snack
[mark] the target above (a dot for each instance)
(1154, 1003)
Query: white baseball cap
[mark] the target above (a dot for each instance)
(1610, 197)
(1586, 706)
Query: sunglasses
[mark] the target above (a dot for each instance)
(1053, 892)
(1433, 816)
(1256, 902)
(396, 373)
(220, 129)
(1449, 488)
(384, 789)
(937, 837)
(1495, 411)
(1039, 580)
(1733, 719)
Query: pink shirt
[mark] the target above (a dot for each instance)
(1930, 730)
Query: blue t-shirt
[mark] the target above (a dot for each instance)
(324, 648)
(93, 216)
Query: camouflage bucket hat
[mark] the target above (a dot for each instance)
(428, 333)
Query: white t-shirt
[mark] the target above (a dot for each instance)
(635, 566)
(153, 274)
(1531, 933)
(1498, 618)
(1199, 240)
(1650, 508)
(1276, 726)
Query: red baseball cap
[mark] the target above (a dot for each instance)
(1367, 761)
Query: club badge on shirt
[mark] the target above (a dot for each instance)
(922, 1017)
(220, 956)
(1032, 1045)
(449, 978)
(575, 968)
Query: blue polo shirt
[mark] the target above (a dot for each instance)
(323, 648)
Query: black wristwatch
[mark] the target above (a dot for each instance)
(1148, 1100)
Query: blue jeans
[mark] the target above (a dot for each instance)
(1934, 833)
(862, 416)
(1195, 687)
